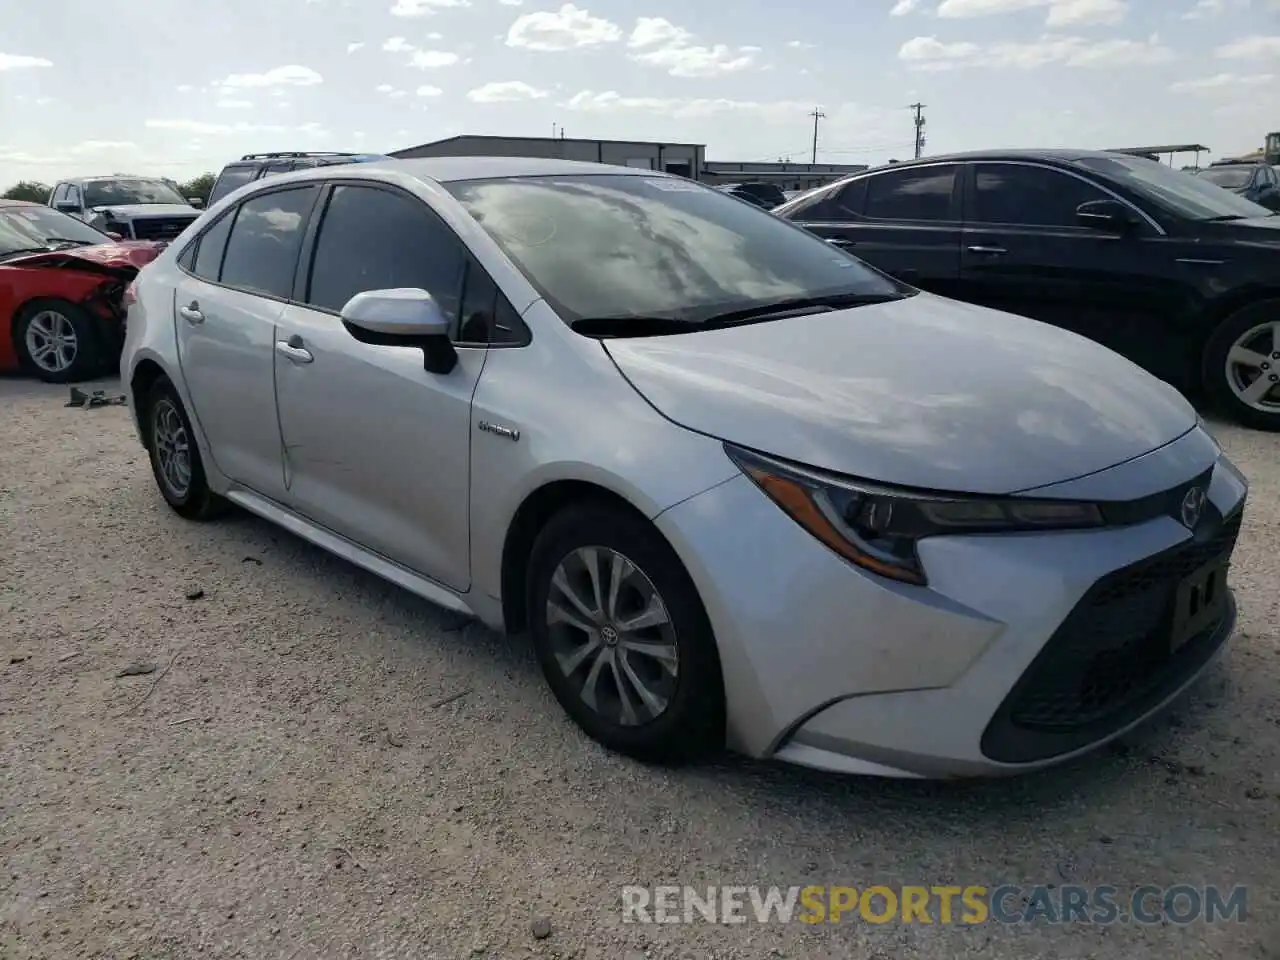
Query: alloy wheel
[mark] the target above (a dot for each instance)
(51, 341)
(172, 447)
(1253, 367)
(612, 636)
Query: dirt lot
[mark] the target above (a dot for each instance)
(322, 766)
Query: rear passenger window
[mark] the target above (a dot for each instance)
(372, 239)
(232, 177)
(212, 244)
(917, 193)
(262, 253)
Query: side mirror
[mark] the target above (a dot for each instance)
(114, 236)
(404, 317)
(195, 202)
(64, 207)
(1109, 216)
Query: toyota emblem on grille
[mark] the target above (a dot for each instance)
(1192, 507)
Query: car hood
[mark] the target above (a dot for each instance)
(139, 211)
(922, 392)
(131, 255)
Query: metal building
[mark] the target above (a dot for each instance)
(685, 159)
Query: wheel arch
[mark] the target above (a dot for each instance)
(537, 508)
(1227, 306)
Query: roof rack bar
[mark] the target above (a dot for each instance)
(294, 153)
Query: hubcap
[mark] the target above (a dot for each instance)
(51, 341)
(173, 449)
(612, 636)
(1253, 367)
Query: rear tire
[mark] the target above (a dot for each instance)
(1241, 366)
(632, 661)
(57, 341)
(175, 456)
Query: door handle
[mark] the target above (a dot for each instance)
(992, 251)
(294, 351)
(191, 313)
(841, 242)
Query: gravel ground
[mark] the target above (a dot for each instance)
(323, 766)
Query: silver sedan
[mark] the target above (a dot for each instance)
(741, 488)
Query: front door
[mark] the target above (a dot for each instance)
(1025, 252)
(226, 310)
(377, 449)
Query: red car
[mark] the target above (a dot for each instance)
(62, 286)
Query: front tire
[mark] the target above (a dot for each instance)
(622, 637)
(175, 456)
(57, 341)
(1241, 367)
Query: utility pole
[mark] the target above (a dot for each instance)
(919, 119)
(817, 115)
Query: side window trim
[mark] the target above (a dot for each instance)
(194, 247)
(971, 173)
(955, 211)
(283, 188)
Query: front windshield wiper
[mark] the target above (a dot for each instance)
(21, 250)
(798, 306)
(630, 326)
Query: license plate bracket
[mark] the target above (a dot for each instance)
(1199, 602)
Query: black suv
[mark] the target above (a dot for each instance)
(1253, 181)
(1179, 275)
(254, 166)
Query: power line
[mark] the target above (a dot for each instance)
(919, 120)
(817, 115)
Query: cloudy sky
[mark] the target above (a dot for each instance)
(181, 86)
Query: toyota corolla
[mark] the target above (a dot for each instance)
(740, 488)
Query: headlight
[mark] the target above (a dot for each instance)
(878, 527)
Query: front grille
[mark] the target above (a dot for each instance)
(160, 228)
(1111, 659)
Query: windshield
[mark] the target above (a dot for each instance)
(118, 193)
(1233, 178)
(45, 225)
(1181, 193)
(621, 246)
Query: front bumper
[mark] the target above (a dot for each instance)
(832, 668)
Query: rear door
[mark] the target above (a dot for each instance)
(1025, 252)
(227, 305)
(905, 222)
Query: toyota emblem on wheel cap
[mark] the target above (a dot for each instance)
(1192, 507)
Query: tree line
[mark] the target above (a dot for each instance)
(33, 191)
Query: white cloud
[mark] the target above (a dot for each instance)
(229, 104)
(289, 76)
(102, 146)
(13, 61)
(1059, 12)
(506, 91)
(799, 45)
(203, 128)
(1250, 48)
(397, 45)
(435, 36)
(426, 59)
(661, 43)
(428, 91)
(184, 88)
(929, 53)
(1210, 9)
(1223, 82)
(903, 7)
(353, 47)
(384, 88)
(424, 8)
(562, 29)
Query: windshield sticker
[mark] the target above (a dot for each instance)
(675, 186)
